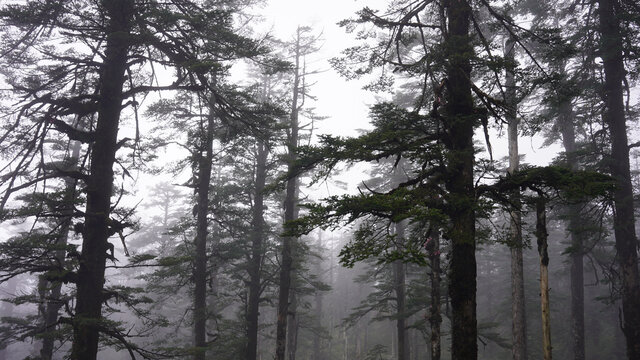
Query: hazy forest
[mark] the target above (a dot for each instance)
(319, 180)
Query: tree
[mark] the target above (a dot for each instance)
(610, 15)
(119, 40)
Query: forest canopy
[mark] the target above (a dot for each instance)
(179, 180)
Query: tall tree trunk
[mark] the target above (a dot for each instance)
(317, 350)
(399, 288)
(435, 311)
(567, 129)
(53, 302)
(518, 310)
(541, 235)
(460, 120)
(90, 281)
(255, 263)
(624, 222)
(200, 267)
(289, 214)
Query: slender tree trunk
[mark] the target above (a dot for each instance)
(399, 288)
(256, 253)
(541, 235)
(317, 350)
(53, 302)
(624, 221)
(200, 267)
(435, 311)
(567, 128)
(289, 214)
(90, 281)
(459, 120)
(518, 310)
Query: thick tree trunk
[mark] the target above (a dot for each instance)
(435, 311)
(289, 214)
(460, 120)
(53, 301)
(86, 323)
(624, 222)
(200, 266)
(518, 310)
(255, 263)
(541, 235)
(401, 299)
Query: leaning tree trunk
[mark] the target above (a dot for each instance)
(53, 301)
(460, 120)
(541, 235)
(289, 215)
(624, 221)
(90, 279)
(255, 262)
(518, 310)
(200, 267)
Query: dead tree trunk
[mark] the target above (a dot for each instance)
(541, 235)
(518, 311)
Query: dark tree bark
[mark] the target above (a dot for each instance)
(624, 221)
(518, 310)
(255, 263)
(86, 323)
(289, 214)
(200, 267)
(460, 120)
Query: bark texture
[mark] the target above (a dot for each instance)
(624, 222)
(460, 121)
(90, 283)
